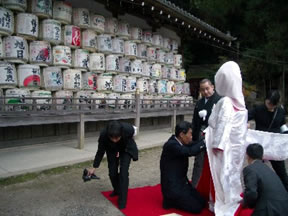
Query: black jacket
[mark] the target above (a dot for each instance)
(126, 144)
(264, 190)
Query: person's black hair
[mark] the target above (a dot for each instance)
(273, 96)
(205, 80)
(114, 129)
(255, 151)
(184, 127)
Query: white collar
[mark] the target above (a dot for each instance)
(179, 141)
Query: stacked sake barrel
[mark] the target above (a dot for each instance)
(48, 48)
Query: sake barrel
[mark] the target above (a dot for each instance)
(166, 72)
(130, 49)
(162, 86)
(166, 44)
(111, 99)
(123, 30)
(147, 69)
(81, 17)
(131, 83)
(177, 75)
(98, 99)
(171, 88)
(7, 21)
(125, 65)
(136, 34)
(104, 43)
(157, 70)
(62, 11)
(42, 8)
(157, 40)
(189, 101)
(52, 78)
(118, 46)
(89, 81)
(72, 36)
(45, 99)
(110, 25)
(142, 51)
(15, 97)
(72, 79)
(83, 99)
(29, 76)
(15, 49)
(65, 99)
(126, 100)
(174, 74)
(153, 87)
(136, 67)
(1, 48)
(8, 77)
(143, 85)
(96, 62)
(169, 58)
(80, 59)
(112, 63)
(147, 37)
(174, 45)
(161, 55)
(182, 75)
(179, 88)
(27, 26)
(187, 90)
(97, 23)
(62, 56)
(151, 54)
(40, 53)
(119, 83)
(15, 5)
(89, 40)
(104, 83)
(178, 60)
(50, 30)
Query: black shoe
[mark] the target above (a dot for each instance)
(121, 206)
(113, 194)
(166, 204)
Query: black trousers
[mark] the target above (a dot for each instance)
(118, 173)
(280, 169)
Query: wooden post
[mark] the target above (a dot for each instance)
(80, 131)
(174, 121)
(137, 108)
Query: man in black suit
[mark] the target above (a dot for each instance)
(201, 116)
(176, 189)
(116, 140)
(264, 190)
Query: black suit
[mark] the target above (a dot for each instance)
(264, 191)
(127, 150)
(198, 126)
(177, 191)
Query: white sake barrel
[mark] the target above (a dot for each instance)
(100, 99)
(72, 36)
(151, 54)
(182, 74)
(143, 85)
(29, 76)
(97, 23)
(142, 51)
(83, 99)
(147, 69)
(178, 60)
(96, 62)
(130, 49)
(72, 79)
(80, 59)
(62, 11)
(50, 30)
(7, 21)
(157, 40)
(89, 81)
(1, 48)
(112, 63)
(111, 99)
(187, 90)
(126, 100)
(118, 46)
(89, 40)
(169, 58)
(15, 5)
(161, 56)
(104, 83)
(104, 43)
(8, 77)
(65, 101)
(119, 83)
(62, 56)
(166, 72)
(171, 88)
(174, 45)
(45, 100)
(17, 97)
(27, 26)
(147, 37)
(125, 65)
(52, 78)
(40, 53)
(162, 87)
(166, 44)
(178, 78)
(42, 8)
(174, 74)
(15, 49)
(81, 17)
(137, 67)
(110, 25)
(157, 70)
(131, 83)
(123, 31)
(153, 87)
(136, 34)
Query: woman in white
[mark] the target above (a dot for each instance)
(225, 139)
